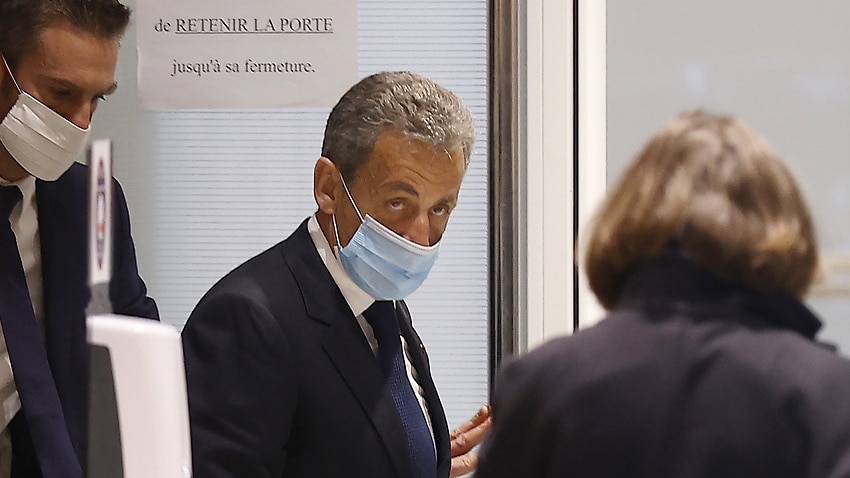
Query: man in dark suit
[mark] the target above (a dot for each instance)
(294, 363)
(58, 62)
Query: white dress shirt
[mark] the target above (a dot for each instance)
(359, 301)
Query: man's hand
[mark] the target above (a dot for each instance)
(465, 438)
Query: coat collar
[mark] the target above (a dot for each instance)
(673, 281)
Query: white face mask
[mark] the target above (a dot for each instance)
(40, 139)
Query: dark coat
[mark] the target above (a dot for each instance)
(282, 382)
(63, 231)
(687, 377)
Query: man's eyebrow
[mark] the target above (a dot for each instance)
(402, 186)
(451, 199)
(61, 82)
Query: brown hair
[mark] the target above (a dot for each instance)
(22, 21)
(714, 186)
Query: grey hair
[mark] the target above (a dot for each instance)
(403, 102)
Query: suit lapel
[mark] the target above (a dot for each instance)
(419, 359)
(359, 368)
(62, 229)
(347, 347)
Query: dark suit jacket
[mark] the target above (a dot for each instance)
(282, 382)
(688, 377)
(63, 230)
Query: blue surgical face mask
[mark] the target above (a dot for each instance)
(382, 263)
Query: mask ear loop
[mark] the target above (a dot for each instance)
(336, 231)
(356, 209)
(333, 216)
(20, 91)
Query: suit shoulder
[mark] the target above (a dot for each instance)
(268, 272)
(562, 364)
(75, 181)
(811, 365)
(577, 347)
(75, 177)
(255, 277)
(542, 364)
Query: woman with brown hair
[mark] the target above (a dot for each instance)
(706, 365)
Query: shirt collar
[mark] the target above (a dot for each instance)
(26, 185)
(673, 280)
(357, 299)
(25, 181)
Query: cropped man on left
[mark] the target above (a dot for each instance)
(58, 62)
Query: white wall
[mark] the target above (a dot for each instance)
(549, 200)
(546, 139)
(592, 128)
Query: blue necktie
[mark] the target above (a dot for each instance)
(382, 317)
(33, 379)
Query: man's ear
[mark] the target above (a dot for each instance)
(325, 185)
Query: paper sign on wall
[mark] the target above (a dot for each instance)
(208, 54)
